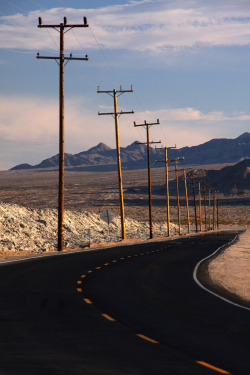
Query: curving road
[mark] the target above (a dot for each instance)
(124, 310)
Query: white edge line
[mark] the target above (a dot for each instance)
(48, 255)
(208, 290)
(3, 262)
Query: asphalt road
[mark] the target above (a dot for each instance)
(124, 310)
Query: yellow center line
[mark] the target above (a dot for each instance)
(147, 338)
(87, 301)
(79, 290)
(108, 317)
(129, 256)
(106, 264)
(79, 282)
(98, 268)
(122, 258)
(114, 261)
(213, 367)
(83, 276)
(90, 271)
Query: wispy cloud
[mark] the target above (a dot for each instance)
(138, 25)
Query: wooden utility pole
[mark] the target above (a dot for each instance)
(177, 191)
(167, 184)
(204, 187)
(116, 114)
(209, 216)
(147, 126)
(217, 213)
(214, 209)
(185, 182)
(178, 199)
(195, 210)
(60, 28)
(199, 185)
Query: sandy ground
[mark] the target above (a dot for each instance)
(230, 269)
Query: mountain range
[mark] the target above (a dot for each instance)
(103, 158)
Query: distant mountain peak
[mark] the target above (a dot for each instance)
(244, 137)
(100, 147)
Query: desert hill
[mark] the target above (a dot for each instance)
(134, 156)
(231, 180)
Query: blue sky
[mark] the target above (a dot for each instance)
(188, 62)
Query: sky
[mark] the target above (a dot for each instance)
(188, 62)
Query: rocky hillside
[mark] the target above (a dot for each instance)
(134, 156)
(35, 230)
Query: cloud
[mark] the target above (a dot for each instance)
(138, 25)
(191, 114)
(28, 118)
(29, 127)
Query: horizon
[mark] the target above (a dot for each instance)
(188, 63)
(124, 147)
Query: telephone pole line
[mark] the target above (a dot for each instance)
(116, 114)
(60, 28)
(147, 126)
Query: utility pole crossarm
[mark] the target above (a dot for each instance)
(145, 143)
(115, 113)
(65, 58)
(121, 91)
(174, 160)
(65, 24)
(147, 123)
(69, 26)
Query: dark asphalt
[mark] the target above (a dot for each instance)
(46, 326)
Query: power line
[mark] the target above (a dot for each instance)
(15, 6)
